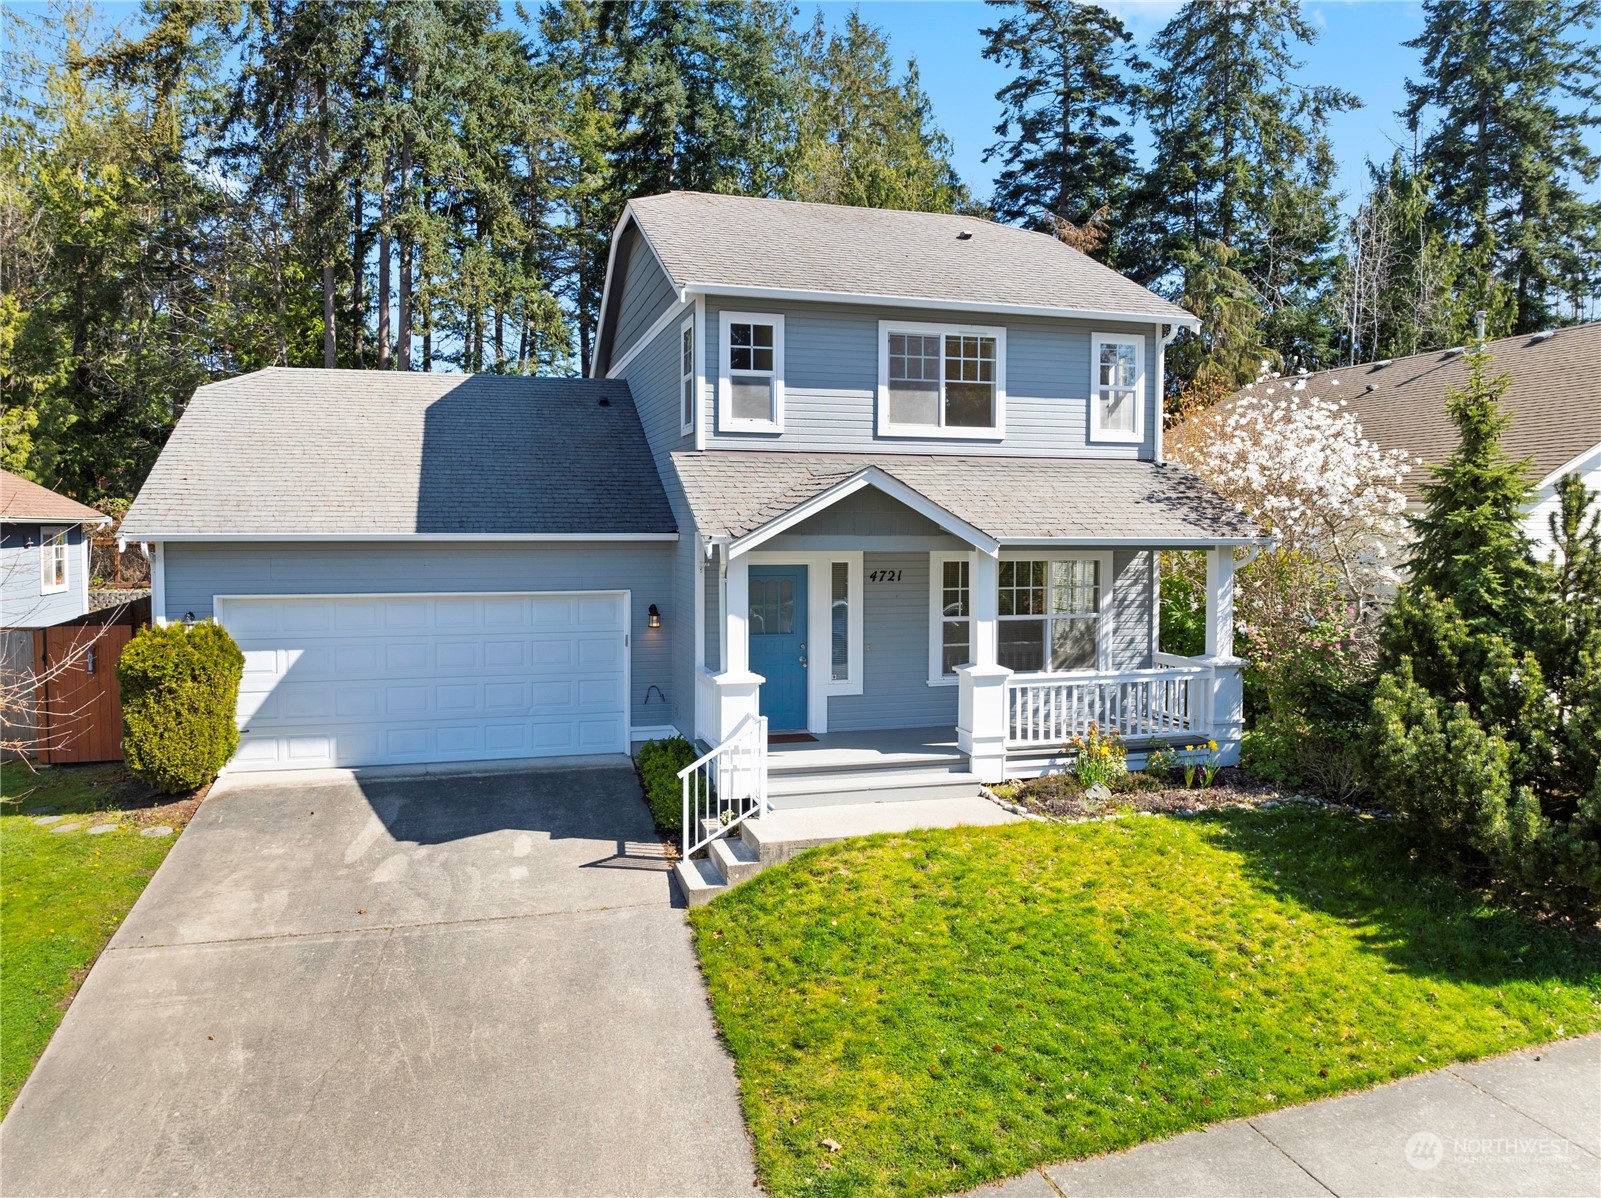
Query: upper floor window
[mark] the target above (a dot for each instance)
(53, 560)
(750, 389)
(941, 381)
(686, 382)
(1117, 387)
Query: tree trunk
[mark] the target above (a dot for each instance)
(384, 250)
(407, 249)
(330, 344)
(358, 272)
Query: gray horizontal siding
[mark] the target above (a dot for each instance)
(867, 513)
(647, 293)
(22, 605)
(831, 368)
(711, 582)
(895, 689)
(653, 378)
(197, 573)
(1131, 611)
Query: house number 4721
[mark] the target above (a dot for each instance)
(884, 576)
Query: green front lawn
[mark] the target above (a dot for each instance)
(62, 894)
(952, 1007)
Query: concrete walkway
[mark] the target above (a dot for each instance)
(1525, 1123)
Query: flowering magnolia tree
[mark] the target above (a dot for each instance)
(1298, 464)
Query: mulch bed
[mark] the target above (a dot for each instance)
(1060, 796)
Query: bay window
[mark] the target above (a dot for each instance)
(941, 381)
(750, 392)
(1117, 387)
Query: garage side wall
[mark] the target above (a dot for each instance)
(196, 573)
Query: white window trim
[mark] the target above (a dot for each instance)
(48, 547)
(1142, 399)
(1103, 630)
(820, 625)
(726, 421)
(936, 616)
(925, 431)
(691, 376)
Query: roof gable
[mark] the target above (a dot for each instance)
(21, 500)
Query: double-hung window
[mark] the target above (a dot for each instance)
(1117, 387)
(951, 601)
(686, 379)
(1050, 614)
(941, 381)
(52, 559)
(750, 389)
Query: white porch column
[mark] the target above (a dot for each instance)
(1227, 698)
(736, 689)
(981, 712)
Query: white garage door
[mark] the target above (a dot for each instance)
(393, 679)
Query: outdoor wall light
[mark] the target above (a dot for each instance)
(655, 617)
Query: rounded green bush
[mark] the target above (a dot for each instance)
(180, 687)
(658, 763)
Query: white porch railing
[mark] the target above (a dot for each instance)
(1172, 702)
(725, 785)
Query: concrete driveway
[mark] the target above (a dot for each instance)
(441, 985)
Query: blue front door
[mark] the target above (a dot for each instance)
(778, 643)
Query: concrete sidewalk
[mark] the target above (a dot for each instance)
(1525, 1123)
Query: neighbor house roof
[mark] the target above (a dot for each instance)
(21, 500)
(1010, 499)
(1554, 398)
(829, 251)
(298, 452)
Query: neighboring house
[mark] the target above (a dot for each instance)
(1554, 399)
(892, 480)
(44, 554)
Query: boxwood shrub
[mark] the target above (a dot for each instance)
(658, 763)
(179, 688)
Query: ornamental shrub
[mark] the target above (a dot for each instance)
(180, 689)
(658, 764)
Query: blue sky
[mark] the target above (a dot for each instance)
(1358, 48)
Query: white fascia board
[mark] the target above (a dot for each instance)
(1134, 542)
(1569, 466)
(1182, 318)
(529, 537)
(872, 476)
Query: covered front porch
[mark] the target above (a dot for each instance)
(891, 646)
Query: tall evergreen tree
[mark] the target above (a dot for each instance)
(1242, 158)
(1516, 87)
(1470, 544)
(863, 136)
(1066, 148)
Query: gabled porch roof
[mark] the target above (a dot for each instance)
(743, 498)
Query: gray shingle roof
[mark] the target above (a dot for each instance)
(736, 241)
(360, 452)
(1554, 399)
(1009, 498)
(23, 500)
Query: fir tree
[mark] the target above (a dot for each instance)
(1242, 158)
(1065, 143)
(1516, 86)
(1471, 547)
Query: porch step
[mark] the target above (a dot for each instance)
(733, 859)
(821, 788)
(699, 880)
(826, 761)
(780, 835)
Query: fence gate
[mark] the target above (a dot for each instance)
(80, 717)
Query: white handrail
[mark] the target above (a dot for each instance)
(1165, 703)
(725, 785)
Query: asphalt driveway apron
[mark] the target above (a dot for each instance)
(428, 986)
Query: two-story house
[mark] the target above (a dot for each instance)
(890, 481)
